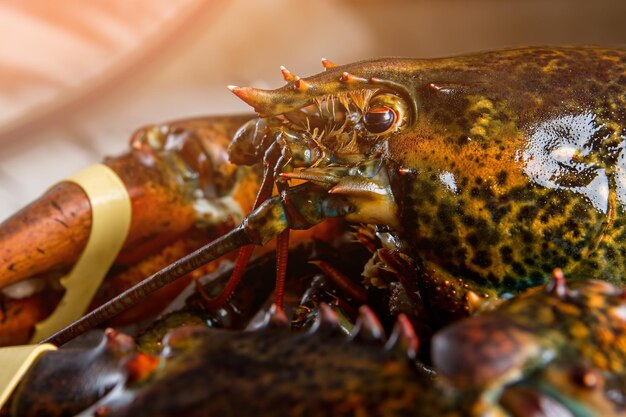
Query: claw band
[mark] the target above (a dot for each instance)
(14, 362)
(110, 221)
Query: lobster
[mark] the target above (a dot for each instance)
(558, 349)
(481, 173)
(470, 178)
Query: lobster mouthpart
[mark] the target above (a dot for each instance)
(365, 186)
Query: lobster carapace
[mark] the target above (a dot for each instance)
(487, 170)
(492, 168)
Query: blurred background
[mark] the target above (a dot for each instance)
(78, 77)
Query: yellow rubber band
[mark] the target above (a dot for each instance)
(110, 221)
(14, 363)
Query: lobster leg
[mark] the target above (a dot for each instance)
(298, 207)
(245, 253)
(282, 251)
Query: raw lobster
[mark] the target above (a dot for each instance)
(482, 172)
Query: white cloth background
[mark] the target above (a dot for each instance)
(78, 77)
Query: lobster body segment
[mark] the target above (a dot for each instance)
(516, 166)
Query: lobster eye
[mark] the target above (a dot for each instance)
(379, 119)
(385, 113)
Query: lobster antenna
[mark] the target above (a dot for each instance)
(229, 242)
(245, 252)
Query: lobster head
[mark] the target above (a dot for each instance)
(334, 129)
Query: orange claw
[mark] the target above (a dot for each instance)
(166, 169)
(18, 317)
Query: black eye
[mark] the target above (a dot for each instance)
(379, 119)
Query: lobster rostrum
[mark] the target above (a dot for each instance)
(486, 170)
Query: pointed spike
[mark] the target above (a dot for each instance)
(118, 342)
(328, 316)
(287, 75)
(557, 286)
(474, 302)
(368, 327)
(262, 101)
(110, 334)
(247, 94)
(275, 318)
(274, 102)
(404, 337)
(301, 85)
(327, 323)
(328, 64)
(346, 77)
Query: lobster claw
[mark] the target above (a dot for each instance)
(179, 183)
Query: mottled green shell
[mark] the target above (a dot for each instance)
(515, 165)
(559, 350)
